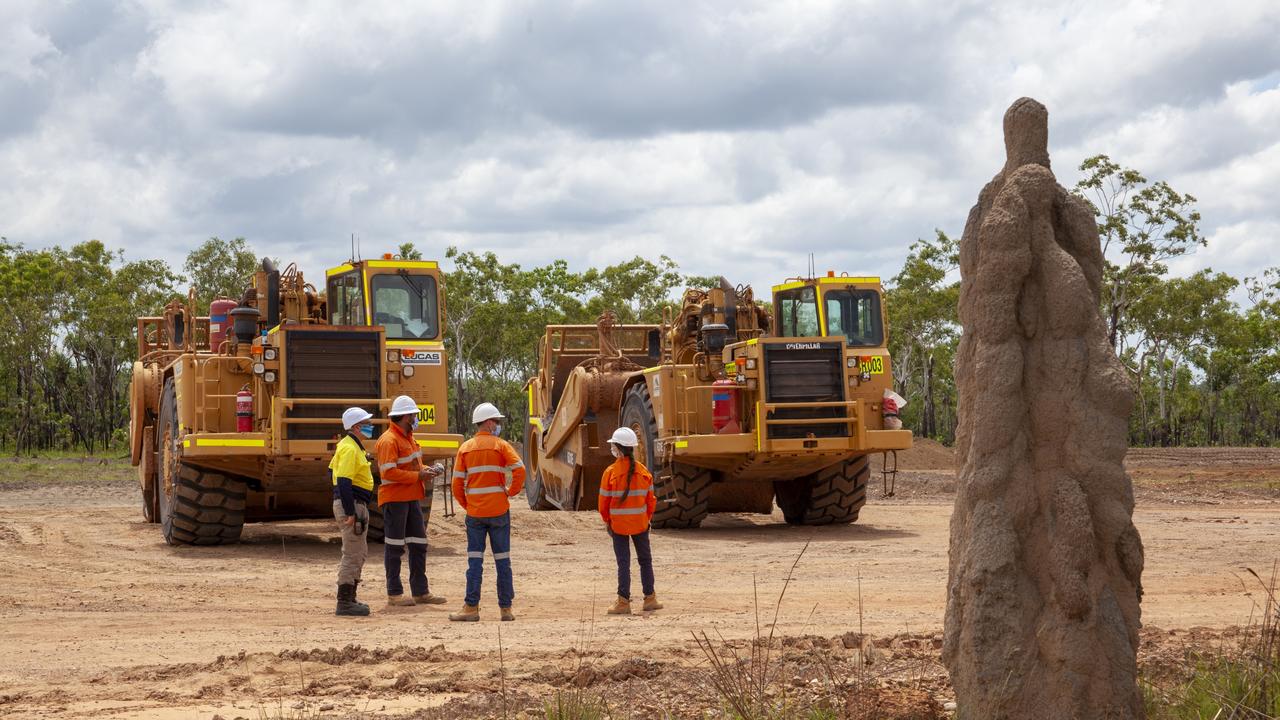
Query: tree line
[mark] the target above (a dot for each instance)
(1203, 351)
(1203, 364)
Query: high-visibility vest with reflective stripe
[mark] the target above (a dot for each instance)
(627, 509)
(486, 471)
(399, 460)
(349, 462)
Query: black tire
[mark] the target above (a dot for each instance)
(834, 494)
(534, 490)
(684, 491)
(196, 506)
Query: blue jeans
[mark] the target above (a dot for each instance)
(403, 525)
(498, 531)
(622, 551)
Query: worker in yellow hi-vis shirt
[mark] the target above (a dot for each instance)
(352, 491)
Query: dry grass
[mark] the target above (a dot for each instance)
(1236, 681)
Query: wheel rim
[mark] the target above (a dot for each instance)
(168, 460)
(642, 447)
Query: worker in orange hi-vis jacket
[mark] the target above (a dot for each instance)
(627, 503)
(486, 472)
(400, 497)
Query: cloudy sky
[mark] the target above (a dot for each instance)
(736, 138)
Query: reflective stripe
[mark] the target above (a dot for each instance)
(459, 474)
(519, 464)
(416, 540)
(488, 468)
(475, 555)
(624, 493)
(411, 456)
(502, 556)
(486, 490)
(386, 466)
(391, 541)
(628, 511)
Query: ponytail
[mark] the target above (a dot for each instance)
(630, 454)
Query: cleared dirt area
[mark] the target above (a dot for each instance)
(98, 617)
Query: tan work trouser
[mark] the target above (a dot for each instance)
(354, 547)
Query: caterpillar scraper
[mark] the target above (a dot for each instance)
(234, 415)
(736, 407)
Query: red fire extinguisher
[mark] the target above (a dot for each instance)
(724, 406)
(244, 410)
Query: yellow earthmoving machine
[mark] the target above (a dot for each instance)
(730, 417)
(234, 415)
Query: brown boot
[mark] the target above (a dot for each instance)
(651, 603)
(507, 614)
(429, 599)
(469, 613)
(621, 606)
(399, 600)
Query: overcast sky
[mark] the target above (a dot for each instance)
(734, 138)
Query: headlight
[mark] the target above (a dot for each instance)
(393, 356)
(751, 363)
(393, 377)
(407, 370)
(269, 354)
(852, 362)
(269, 376)
(258, 368)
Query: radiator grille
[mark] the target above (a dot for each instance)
(805, 372)
(330, 364)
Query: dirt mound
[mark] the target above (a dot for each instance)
(1045, 565)
(927, 454)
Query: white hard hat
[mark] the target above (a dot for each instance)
(354, 416)
(624, 436)
(485, 411)
(403, 405)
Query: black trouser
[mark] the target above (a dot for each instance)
(622, 551)
(403, 524)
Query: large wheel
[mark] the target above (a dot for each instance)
(684, 491)
(834, 494)
(534, 490)
(196, 507)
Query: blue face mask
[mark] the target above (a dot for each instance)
(367, 431)
(497, 429)
(414, 425)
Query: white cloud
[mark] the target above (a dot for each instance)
(736, 138)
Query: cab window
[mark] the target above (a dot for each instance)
(346, 299)
(856, 315)
(798, 313)
(405, 305)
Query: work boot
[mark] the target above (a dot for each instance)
(469, 613)
(429, 599)
(621, 606)
(347, 604)
(507, 615)
(651, 603)
(400, 600)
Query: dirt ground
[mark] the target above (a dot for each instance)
(98, 617)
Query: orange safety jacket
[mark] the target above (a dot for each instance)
(484, 466)
(399, 460)
(627, 510)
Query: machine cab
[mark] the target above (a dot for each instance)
(406, 298)
(401, 295)
(831, 306)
